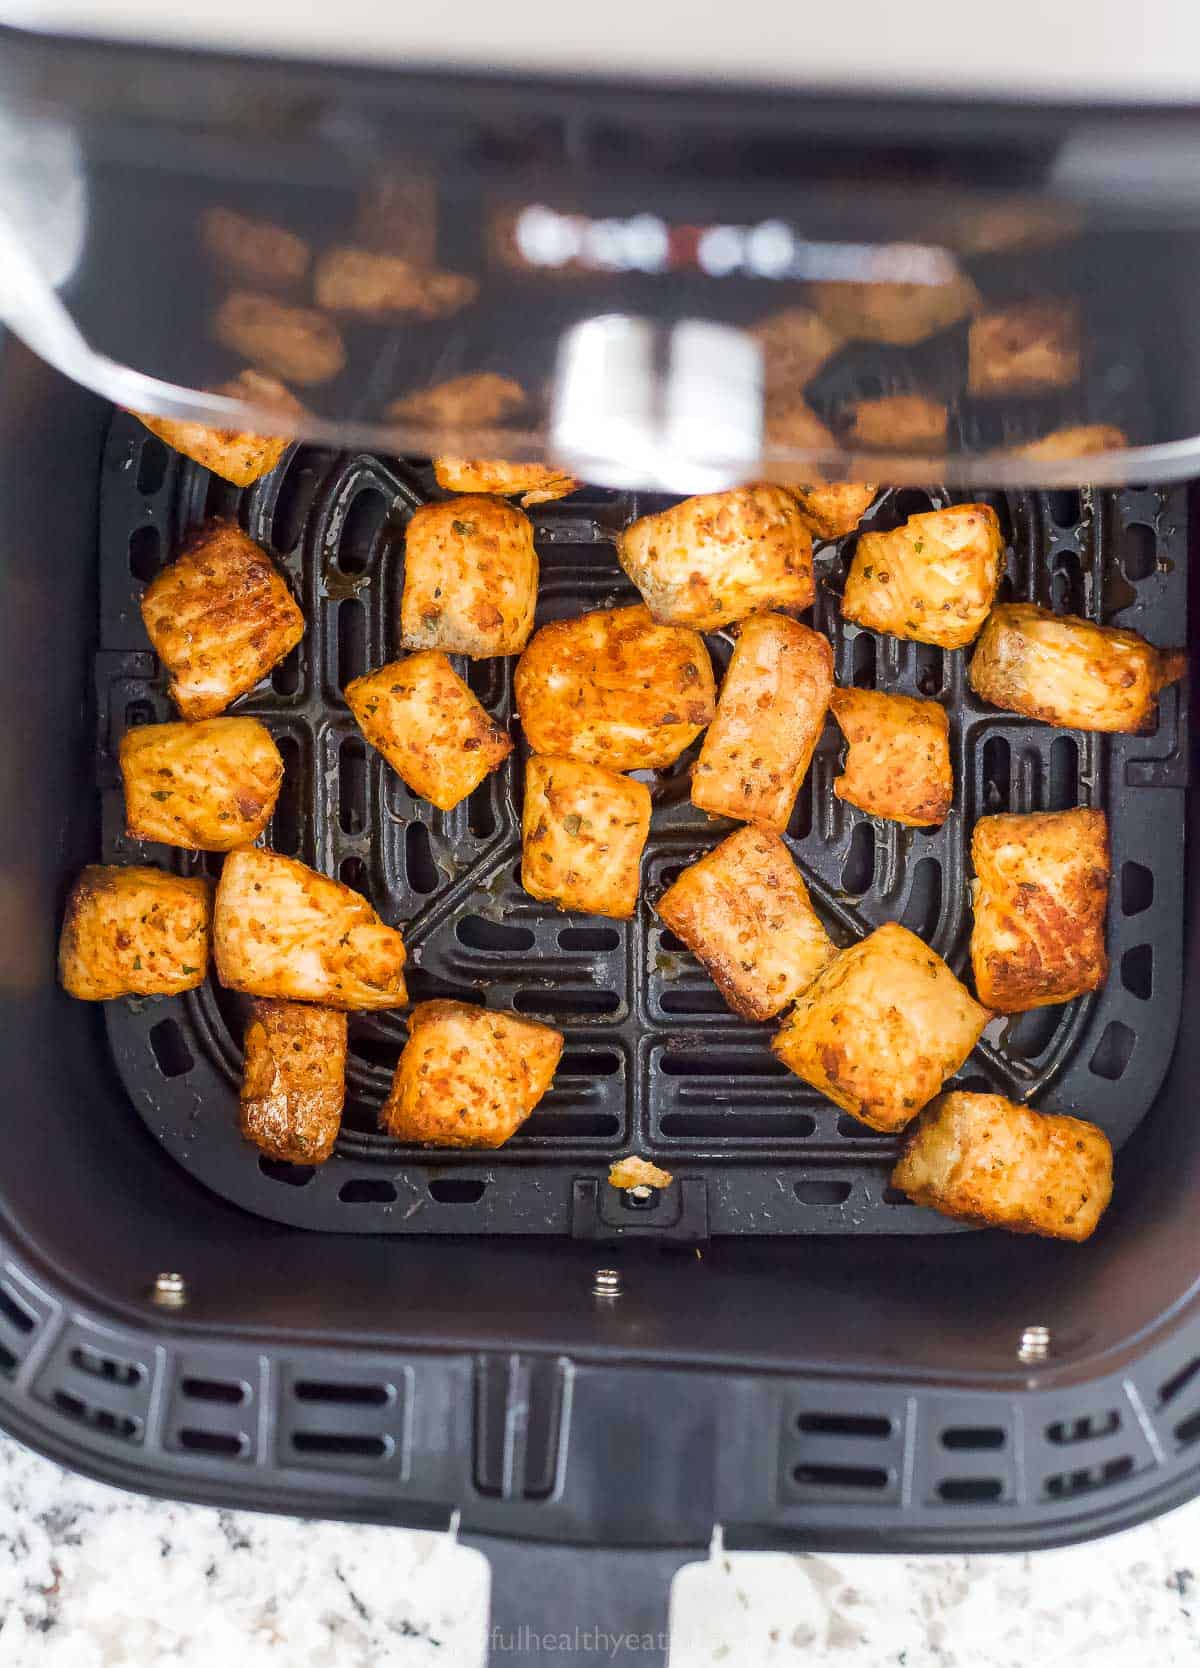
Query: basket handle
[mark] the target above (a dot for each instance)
(600, 1605)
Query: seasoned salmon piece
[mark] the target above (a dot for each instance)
(833, 510)
(134, 931)
(209, 786)
(533, 483)
(898, 759)
(932, 580)
(583, 831)
(293, 1080)
(237, 455)
(470, 578)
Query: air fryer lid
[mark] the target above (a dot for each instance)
(169, 220)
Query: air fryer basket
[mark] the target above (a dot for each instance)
(655, 1063)
(827, 1389)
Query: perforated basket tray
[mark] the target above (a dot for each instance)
(654, 1061)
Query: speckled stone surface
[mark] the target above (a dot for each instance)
(94, 1578)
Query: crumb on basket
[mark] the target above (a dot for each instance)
(638, 1172)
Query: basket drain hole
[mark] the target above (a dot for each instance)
(923, 910)
(360, 531)
(875, 1426)
(858, 871)
(100, 1418)
(476, 932)
(457, 1190)
(228, 1392)
(1137, 971)
(582, 1002)
(596, 939)
(352, 785)
(973, 1438)
(419, 866)
(171, 1052)
(968, 1490)
(291, 1175)
(145, 553)
(1065, 508)
(285, 823)
(1139, 551)
(367, 1190)
(1137, 888)
(214, 1442)
(152, 467)
(996, 767)
(822, 1192)
(339, 1444)
(1171, 1387)
(128, 1374)
(343, 1395)
(1065, 1483)
(1113, 1052)
(841, 1476)
(351, 641)
(1089, 1428)
(15, 1313)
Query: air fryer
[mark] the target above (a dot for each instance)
(776, 1344)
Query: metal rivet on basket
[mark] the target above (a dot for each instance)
(606, 1282)
(169, 1290)
(1034, 1345)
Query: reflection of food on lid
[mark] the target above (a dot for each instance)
(1083, 441)
(1018, 349)
(237, 455)
(795, 344)
(790, 422)
(466, 402)
(257, 250)
(376, 285)
(896, 313)
(988, 229)
(398, 212)
(895, 422)
(293, 342)
(536, 483)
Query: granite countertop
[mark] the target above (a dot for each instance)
(94, 1578)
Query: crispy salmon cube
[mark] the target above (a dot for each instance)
(986, 1160)
(899, 422)
(379, 285)
(744, 911)
(898, 759)
(282, 929)
(429, 727)
(533, 483)
(470, 578)
(259, 251)
(134, 932)
(898, 313)
(769, 719)
(615, 689)
(237, 455)
(932, 580)
(1040, 904)
(1085, 440)
(834, 510)
(209, 786)
(1020, 349)
(293, 1080)
(468, 1077)
(298, 344)
(219, 618)
(882, 1028)
(717, 558)
(583, 831)
(464, 402)
(1070, 672)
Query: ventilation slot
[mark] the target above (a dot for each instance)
(1065, 508)
(352, 871)
(923, 910)
(457, 1190)
(152, 467)
(476, 932)
(1090, 1428)
(221, 1390)
(226, 1444)
(285, 821)
(365, 1190)
(1139, 551)
(862, 652)
(1063, 792)
(291, 1175)
(171, 1052)
(1113, 1052)
(739, 1126)
(857, 1477)
(689, 1000)
(145, 553)
(1187, 1430)
(1064, 1484)
(340, 1445)
(294, 502)
(111, 1369)
(351, 641)
(485, 679)
(101, 1419)
(481, 813)
(595, 939)
(360, 531)
(1137, 888)
(15, 1312)
(285, 679)
(1178, 1382)
(963, 1491)
(419, 866)
(599, 1064)
(819, 1192)
(583, 1003)
(574, 1124)
(1029, 1035)
(866, 1425)
(858, 871)
(930, 667)
(517, 1417)
(1066, 583)
(1137, 971)
(719, 1063)
(996, 775)
(851, 1130)
(352, 786)
(973, 1438)
(331, 1394)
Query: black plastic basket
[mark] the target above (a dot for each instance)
(791, 1355)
